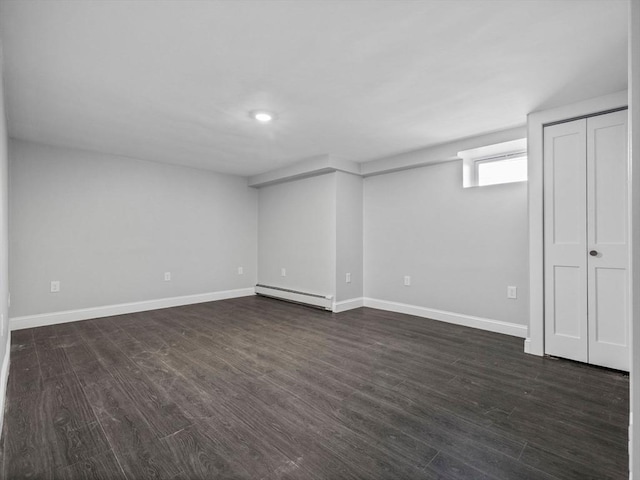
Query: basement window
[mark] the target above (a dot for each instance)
(501, 170)
(495, 164)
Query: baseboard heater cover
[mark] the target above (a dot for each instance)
(313, 299)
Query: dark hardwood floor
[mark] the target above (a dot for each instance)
(260, 389)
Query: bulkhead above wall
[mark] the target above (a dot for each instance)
(327, 163)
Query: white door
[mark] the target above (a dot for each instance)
(565, 231)
(586, 252)
(607, 167)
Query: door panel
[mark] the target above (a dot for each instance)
(608, 178)
(567, 307)
(607, 220)
(565, 210)
(610, 306)
(568, 196)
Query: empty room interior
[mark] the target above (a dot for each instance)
(319, 239)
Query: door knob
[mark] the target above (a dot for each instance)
(593, 253)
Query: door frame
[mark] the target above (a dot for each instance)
(536, 121)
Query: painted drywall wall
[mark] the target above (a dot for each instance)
(461, 247)
(297, 232)
(348, 236)
(634, 142)
(108, 228)
(4, 246)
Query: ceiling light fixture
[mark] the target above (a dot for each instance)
(262, 116)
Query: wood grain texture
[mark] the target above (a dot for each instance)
(101, 467)
(260, 389)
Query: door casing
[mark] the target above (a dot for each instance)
(534, 343)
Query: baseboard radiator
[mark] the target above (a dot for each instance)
(324, 302)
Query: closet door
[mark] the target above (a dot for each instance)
(607, 220)
(565, 242)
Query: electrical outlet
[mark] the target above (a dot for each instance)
(348, 278)
(407, 281)
(167, 276)
(55, 286)
(283, 272)
(512, 292)
(240, 271)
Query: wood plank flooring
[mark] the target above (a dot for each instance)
(254, 388)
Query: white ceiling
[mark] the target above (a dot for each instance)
(173, 81)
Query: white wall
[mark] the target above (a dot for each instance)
(349, 236)
(297, 231)
(634, 141)
(4, 246)
(461, 247)
(109, 227)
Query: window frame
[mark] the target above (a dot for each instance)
(490, 153)
(498, 159)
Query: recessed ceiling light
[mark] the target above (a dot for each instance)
(262, 116)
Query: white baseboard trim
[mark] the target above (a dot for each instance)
(41, 320)
(349, 304)
(481, 323)
(4, 377)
